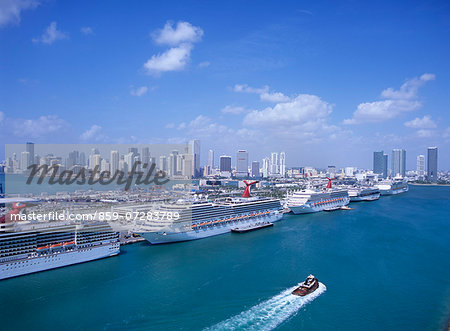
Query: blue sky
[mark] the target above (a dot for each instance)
(327, 82)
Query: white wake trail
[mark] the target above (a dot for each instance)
(269, 314)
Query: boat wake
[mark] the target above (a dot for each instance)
(269, 314)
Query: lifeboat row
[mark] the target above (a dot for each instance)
(66, 244)
(229, 220)
(327, 201)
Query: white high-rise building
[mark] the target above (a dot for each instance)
(266, 167)
(163, 163)
(421, 166)
(96, 161)
(274, 164)
(129, 160)
(211, 159)
(104, 165)
(114, 162)
(282, 164)
(242, 163)
(187, 165)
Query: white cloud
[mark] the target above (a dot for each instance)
(86, 30)
(93, 133)
(274, 97)
(175, 59)
(10, 10)
(35, 128)
(423, 133)
(50, 35)
(421, 123)
(2, 116)
(233, 110)
(263, 92)
(184, 32)
(247, 89)
(446, 133)
(397, 102)
(170, 125)
(139, 91)
(305, 110)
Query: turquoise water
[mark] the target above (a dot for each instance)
(385, 266)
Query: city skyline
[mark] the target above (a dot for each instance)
(260, 82)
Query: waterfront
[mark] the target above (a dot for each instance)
(385, 265)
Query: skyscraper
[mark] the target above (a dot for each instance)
(194, 146)
(398, 162)
(282, 164)
(274, 163)
(380, 163)
(420, 166)
(114, 162)
(211, 159)
(432, 164)
(146, 156)
(24, 160)
(242, 163)
(225, 163)
(255, 169)
(266, 167)
(30, 149)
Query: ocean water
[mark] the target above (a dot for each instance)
(383, 266)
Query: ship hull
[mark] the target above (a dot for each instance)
(394, 191)
(371, 197)
(171, 237)
(311, 208)
(51, 261)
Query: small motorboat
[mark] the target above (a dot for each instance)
(307, 287)
(252, 227)
(346, 208)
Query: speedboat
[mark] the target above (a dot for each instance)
(307, 287)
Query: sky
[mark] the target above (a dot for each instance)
(327, 82)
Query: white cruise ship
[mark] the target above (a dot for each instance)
(31, 246)
(205, 219)
(312, 201)
(364, 193)
(394, 186)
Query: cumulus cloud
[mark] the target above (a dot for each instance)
(94, 133)
(264, 94)
(10, 10)
(50, 35)
(182, 38)
(140, 91)
(303, 110)
(423, 133)
(174, 59)
(233, 110)
(421, 123)
(397, 102)
(35, 128)
(86, 30)
(183, 32)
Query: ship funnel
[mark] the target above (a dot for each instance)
(329, 182)
(246, 193)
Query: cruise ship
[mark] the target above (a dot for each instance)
(393, 186)
(312, 201)
(364, 193)
(31, 246)
(205, 219)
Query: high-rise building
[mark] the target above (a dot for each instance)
(114, 162)
(385, 166)
(25, 160)
(146, 156)
(30, 149)
(331, 170)
(163, 163)
(421, 166)
(274, 163)
(266, 167)
(255, 169)
(96, 161)
(282, 164)
(432, 164)
(242, 163)
(398, 162)
(211, 159)
(380, 161)
(225, 163)
(187, 163)
(194, 146)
